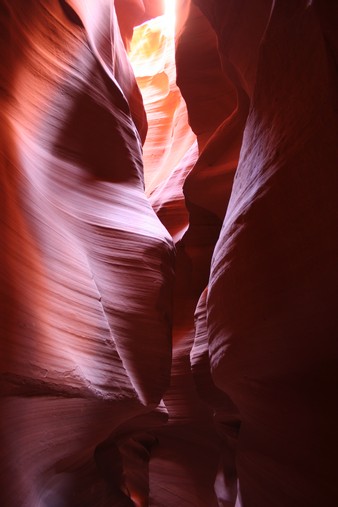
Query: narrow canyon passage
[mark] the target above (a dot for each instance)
(169, 253)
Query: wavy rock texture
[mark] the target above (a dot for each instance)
(273, 285)
(121, 384)
(86, 267)
(152, 54)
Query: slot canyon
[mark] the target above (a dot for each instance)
(169, 253)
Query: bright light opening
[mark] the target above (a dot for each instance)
(152, 55)
(170, 16)
(153, 43)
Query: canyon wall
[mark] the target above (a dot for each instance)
(169, 254)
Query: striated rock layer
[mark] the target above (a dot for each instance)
(122, 384)
(273, 286)
(86, 265)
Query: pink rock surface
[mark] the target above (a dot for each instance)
(86, 264)
(128, 377)
(273, 283)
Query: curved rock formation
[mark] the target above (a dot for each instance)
(273, 281)
(87, 266)
(168, 253)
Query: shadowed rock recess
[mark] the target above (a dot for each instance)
(169, 253)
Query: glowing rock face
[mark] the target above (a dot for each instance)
(152, 54)
(119, 385)
(87, 266)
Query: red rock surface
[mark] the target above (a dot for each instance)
(86, 265)
(273, 284)
(168, 312)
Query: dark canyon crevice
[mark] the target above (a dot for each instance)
(169, 253)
